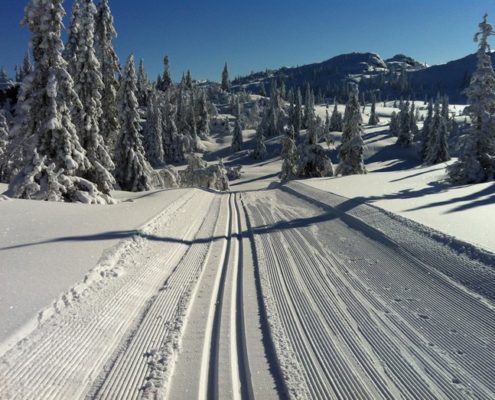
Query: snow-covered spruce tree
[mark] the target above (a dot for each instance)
(298, 114)
(203, 116)
(272, 123)
(51, 151)
(142, 85)
(173, 147)
(237, 140)
(413, 117)
(405, 135)
(89, 85)
(110, 69)
(438, 147)
(309, 107)
(73, 38)
(4, 135)
(225, 79)
(395, 124)
(352, 147)
(26, 67)
(336, 122)
(259, 151)
(476, 162)
(374, 120)
(133, 171)
(424, 135)
(312, 159)
(289, 156)
(166, 79)
(153, 132)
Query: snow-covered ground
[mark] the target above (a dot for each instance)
(324, 288)
(46, 248)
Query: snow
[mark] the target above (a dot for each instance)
(46, 247)
(151, 288)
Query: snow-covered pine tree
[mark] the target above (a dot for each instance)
(413, 117)
(424, 137)
(89, 85)
(405, 135)
(173, 147)
(73, 38)
(259, 151)
(142, 85)
(189, 81)
(438, 147)
(336, 122)
(312, 159)
(225, 79)
(352, 147)
(110, 69)
(51, 152)
(166, 80)
(298, 114)
(237, 140)
(273, 118)
(26, 67)
(374, 120)
(4, 136)
(133, 172)
(394, 124)
(476, 160)
(153, 132)
(309, 107)
(289, 156)
(203, 122)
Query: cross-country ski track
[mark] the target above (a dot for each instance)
(281, 293)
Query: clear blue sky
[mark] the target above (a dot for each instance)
(252, 35)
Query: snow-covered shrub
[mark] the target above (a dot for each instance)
(199, 174)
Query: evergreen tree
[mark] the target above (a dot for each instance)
(425, 132)
(133, 172)
(189, 81)
(4, 135)
(259, 152)
(73, 39)
(26, 68)
(142, 85)
(309, 107)
(88, 86)
(166, 80)
(352, 147)
(477, 155)
(438, 147)
(51, 152)
(298, 114)
(394, 124)
(289, 156)
(225, 79)
(110, 69)
(153, 133)
(173, 146)
(203, 116)
(336, 122)
(405, 135)
(374, 120)
(413, 117)
(237, 140)
(273, 118)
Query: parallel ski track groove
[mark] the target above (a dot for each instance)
(72, 341)
(128, 376)
(376, 326)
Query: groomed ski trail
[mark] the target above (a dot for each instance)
(353, 315)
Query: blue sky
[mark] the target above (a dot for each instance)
(252, 35)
